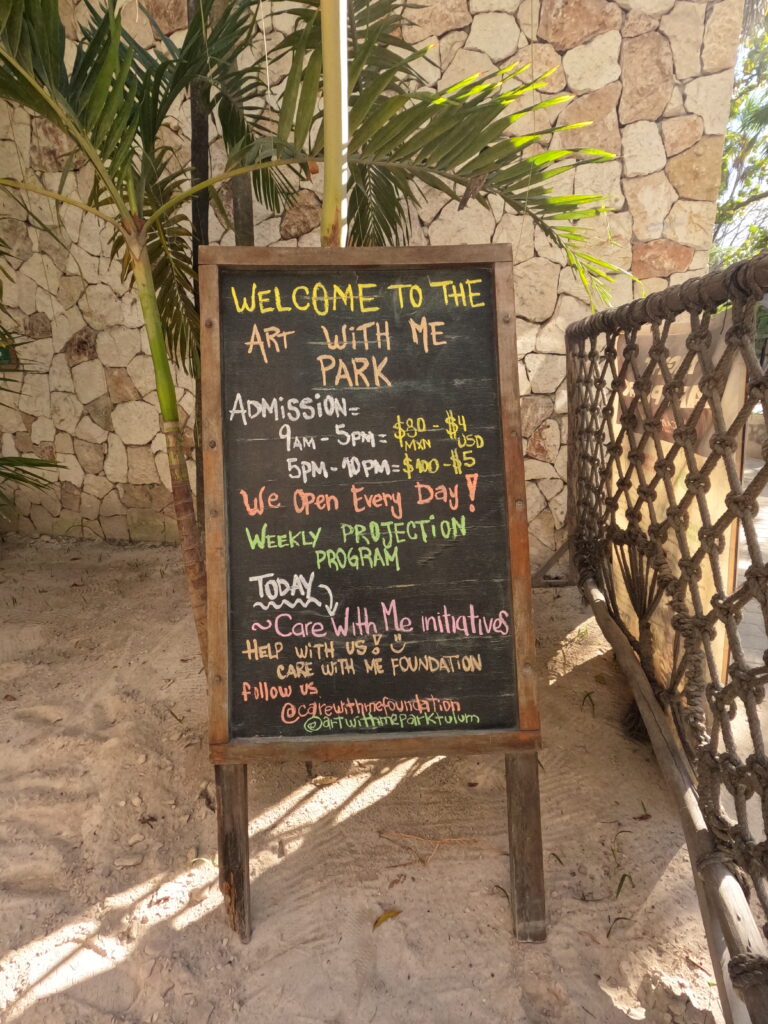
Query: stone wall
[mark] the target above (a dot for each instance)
(654, 77)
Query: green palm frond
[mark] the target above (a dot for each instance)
(378, 206)
(21, 471)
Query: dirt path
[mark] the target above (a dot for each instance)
(110, 909)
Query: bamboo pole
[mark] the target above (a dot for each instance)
(730, 927)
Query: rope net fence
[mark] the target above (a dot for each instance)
(668, 513)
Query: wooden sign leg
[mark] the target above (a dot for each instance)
(526, 856)
(232, 819)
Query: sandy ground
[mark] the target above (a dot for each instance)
(110, 909)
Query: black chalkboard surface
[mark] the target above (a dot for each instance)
(364, 499)
(369, 590)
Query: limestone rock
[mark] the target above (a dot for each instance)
(602, 179)
(118, 345)
(428, 66)
(37, 325)
(649, 199)
(636, 24)
(594, 64)
(120, 386)
(112, 505)
(146, 525)
(567, 23)
(89, 508)
(301, 215)
(15, 235)
(90, 456)
(87, 430)
(527, 15)
(435, 19)
(536, 289)
(96, 485)
(65, 411)
(130, 860)
(711, 98)
(651, 8)
(558, 506)
(534, 410)
(26, 294)
(680, 133)
(170, 15)
(535, 470)
(570, 309)
(542, 530)
(691, 223)
(696, 172)
(450, 45)
(518, 232)
(544, 442)
(153, 496)
(676, 106)
(432, 203)
(42, 430)
(52, 150)
(534, 500)
(116, 462)
(40, 270)
(142, 373)
(642, 149)
(721, 37)
(10, 419)
(135, 422)
(50, 243)
(100, 411)
(42, 520)
(81, 346)
(549, 488)
(70, 470)
(649, 285)
(130, 313)
(141, 466)
(483, 6)
(600, 108)
(547, 248)
(647, 77)
(89, 380)
(100, 307)
(59, 374)
(70, 497)
(115, 527)
(684, 27)
(71, 288)
(523, 383)
(62, 444)
(609, 237)
(495, 34)
(543, 58)
(163, 468)
(546, 372)
(11, 160)
(464, 64)
(473, 224)
(660, 258)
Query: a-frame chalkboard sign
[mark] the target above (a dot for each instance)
(366, 535)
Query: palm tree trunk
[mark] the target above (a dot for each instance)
(183, 504)
(333, 218)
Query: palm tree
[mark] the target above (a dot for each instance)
(115, 100)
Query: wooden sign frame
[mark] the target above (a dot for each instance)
(229, 755)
